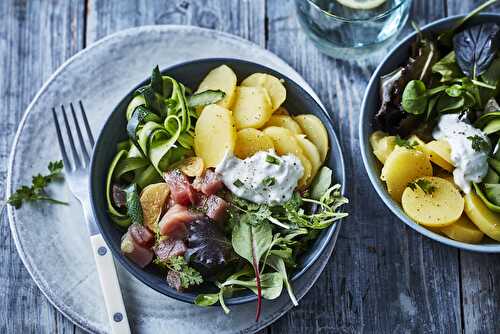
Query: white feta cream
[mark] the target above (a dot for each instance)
(262, 178)
(469, 158)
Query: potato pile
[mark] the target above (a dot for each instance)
(251, 119)
(418, 175)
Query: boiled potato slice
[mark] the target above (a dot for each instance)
(284, 143)
(192, 166)
(440, 154)
(250, 141)
(275, 88)
(284, 121)
(214, 134)
(311, 152)
(444, 174)
(281, 111)
(152, 199)
(485, 219)
(403, 166)
(463, 230)
(252, 107)
(382, 145)
(315, 132)
(222, 78)
(440, 207)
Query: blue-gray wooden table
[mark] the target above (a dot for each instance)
(383, 278)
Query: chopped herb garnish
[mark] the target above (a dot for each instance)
(187, 275)
(238, 183)
(426, 186)
(272, 160)
(37, 190)
(269, 181)
(405, 143)
(478, 143)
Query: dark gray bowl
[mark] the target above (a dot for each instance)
(371, 103)
(113, 131)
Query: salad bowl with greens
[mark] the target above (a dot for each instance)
(430, 131)
(218, 182)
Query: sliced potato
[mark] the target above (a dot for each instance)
(403, 166)
(281, 111)
(284, 143)
(275, 88)
(284, 121)
(250, 141)
(311, 152)
(192, 166)
(315, 132)
(441, 207)
(463, 230)
(152, 199)
(444, 174)
(252, 107)
(222, 78)
(382, 145)
(416, 139)
(440, 153)
(215, 133)
(485, 219)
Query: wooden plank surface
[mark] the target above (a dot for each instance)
(35, 38)
(480, 273)
(384, 277)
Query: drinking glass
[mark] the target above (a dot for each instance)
(349, 29)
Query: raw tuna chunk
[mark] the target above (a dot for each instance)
(209, 183)
(174, 280)
(174, 220)
(119, 197)
(214, 207)
(141, 235)
(170, 247)
(138, 254)
(181, 190)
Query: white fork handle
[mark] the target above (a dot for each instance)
(110, 286)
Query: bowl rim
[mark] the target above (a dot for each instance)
(368, 158)
(135, 270)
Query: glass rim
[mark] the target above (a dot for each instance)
(373, 18)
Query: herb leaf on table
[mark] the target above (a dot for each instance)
(36, 192)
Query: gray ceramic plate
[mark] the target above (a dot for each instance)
(52, 240)
(371, 103)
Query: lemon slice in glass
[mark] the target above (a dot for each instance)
(361, 4)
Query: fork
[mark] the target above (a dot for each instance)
(77, 175)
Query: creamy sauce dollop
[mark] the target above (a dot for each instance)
(262, 178)
(470, 165)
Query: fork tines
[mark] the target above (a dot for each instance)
(80, 151)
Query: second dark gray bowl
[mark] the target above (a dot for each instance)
(113, 131)
(371, 102)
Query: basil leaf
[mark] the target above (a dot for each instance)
(475, 48)
(447, 67)
(415, 97)
(207, 299)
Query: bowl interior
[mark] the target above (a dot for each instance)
(371, 102)
(298, 101)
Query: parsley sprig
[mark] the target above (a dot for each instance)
(188, 275)
(36, 192)
(426, 186)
